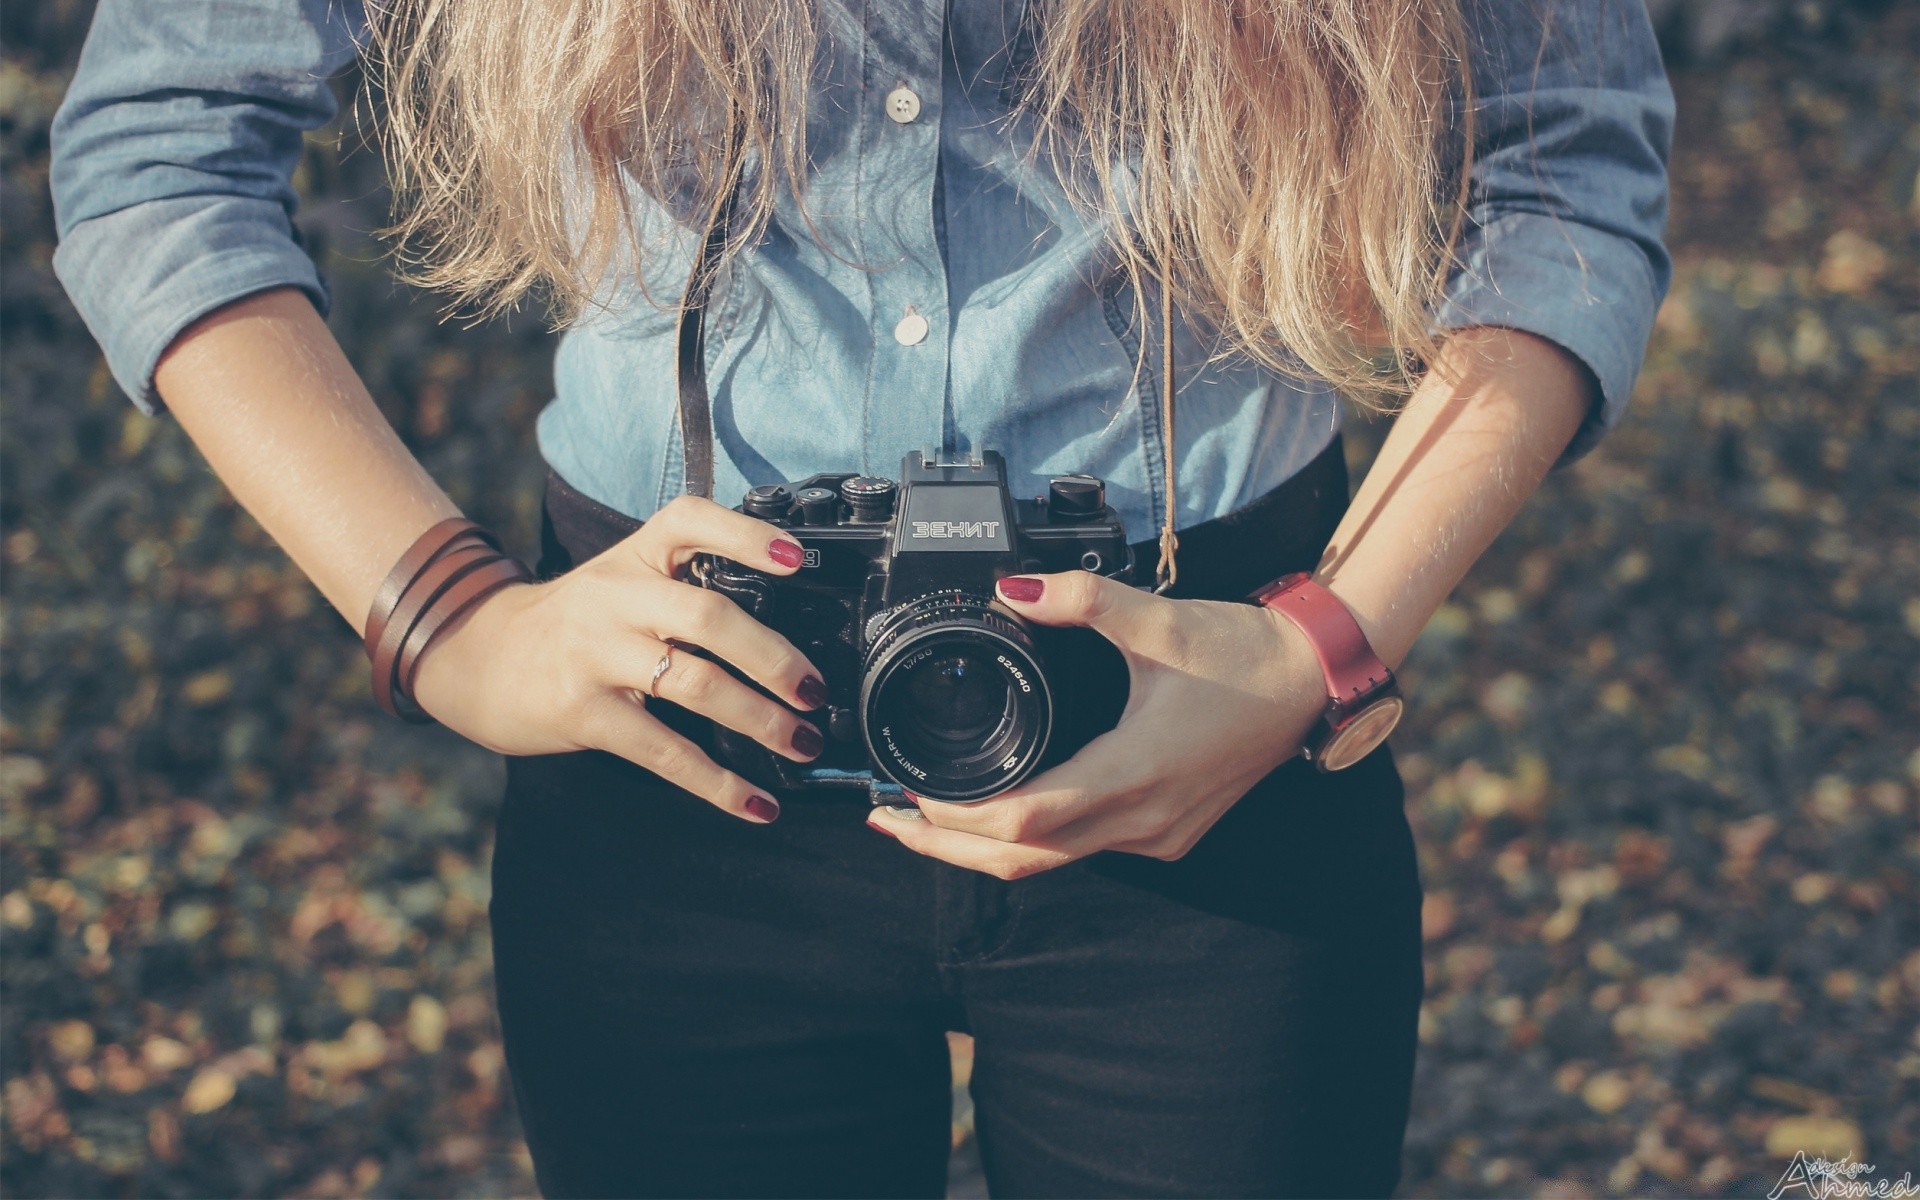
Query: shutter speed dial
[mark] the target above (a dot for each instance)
(869, 496)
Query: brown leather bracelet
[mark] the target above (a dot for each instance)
(427, 547)
(473, 587)
(420, 595)
(448, 569)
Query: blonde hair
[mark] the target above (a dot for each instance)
(1287, 166)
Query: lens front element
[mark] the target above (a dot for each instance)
(956, 701)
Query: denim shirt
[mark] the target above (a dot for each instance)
(958, 302)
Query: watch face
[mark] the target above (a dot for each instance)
(1357, 738)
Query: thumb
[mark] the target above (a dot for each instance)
(1074, 598)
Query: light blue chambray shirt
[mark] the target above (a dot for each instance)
(173, 150)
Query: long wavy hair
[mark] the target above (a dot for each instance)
(1291, 170)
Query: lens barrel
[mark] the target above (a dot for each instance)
(954, 704)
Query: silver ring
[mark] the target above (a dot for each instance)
(666, 661)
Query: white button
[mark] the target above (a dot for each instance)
(902, 105)
(912, 329)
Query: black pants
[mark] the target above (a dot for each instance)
(694, 1005)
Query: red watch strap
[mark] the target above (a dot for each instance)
(1348, 662)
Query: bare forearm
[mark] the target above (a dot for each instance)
(1474, 442)
(265, 392)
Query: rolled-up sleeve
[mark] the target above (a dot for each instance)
(1567, 199)
(173, 156)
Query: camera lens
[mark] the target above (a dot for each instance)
(953, 702)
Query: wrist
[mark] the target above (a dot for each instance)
(1299, 675)
(452, 567)
(453, 664)
(1358, 696)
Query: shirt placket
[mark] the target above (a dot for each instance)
(907, 283)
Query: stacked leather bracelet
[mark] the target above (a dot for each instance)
(448, 569)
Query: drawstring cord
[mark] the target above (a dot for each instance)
(1167, 571)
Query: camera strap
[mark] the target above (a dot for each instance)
(690, 369)
(696, 409)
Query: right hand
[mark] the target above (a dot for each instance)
(553, 667)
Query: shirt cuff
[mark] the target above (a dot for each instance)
(141, 275)
(1589, 292)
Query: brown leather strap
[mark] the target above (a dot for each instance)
(448, 569)
(427, 547)
(1166, 573)
(472, 588)
(690, 367)
(427, 587)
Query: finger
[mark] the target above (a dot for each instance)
(1169, 843)
(628, 730)
(1101, 774)
(1078, 598)
(703, 686)
(716, 624)
(989, 856)
(693, 525)
(1098, 775)
(1130, 830)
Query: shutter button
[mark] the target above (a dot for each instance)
(902, 105)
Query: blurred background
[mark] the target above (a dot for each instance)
(1663, 759)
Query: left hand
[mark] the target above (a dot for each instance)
(1221, 694)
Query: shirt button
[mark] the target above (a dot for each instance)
(912, 329)
(902, 105)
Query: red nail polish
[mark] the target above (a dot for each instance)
(762, 809)
(786, 553)
(807, 740)
(877, 827)
(1023, 589)
(813, 693)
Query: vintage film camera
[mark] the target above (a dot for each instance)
(933, 685)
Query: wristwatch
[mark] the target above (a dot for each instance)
(1363, 699)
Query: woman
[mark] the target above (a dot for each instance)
(1190, 958)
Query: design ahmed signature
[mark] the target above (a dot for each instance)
(1815, 1178)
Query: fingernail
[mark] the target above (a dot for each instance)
(813, 693)
(1023, 589)
(807, 739)
(878, 825)
(786, 553)
(762, 809)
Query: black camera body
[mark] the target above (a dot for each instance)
(933, 685)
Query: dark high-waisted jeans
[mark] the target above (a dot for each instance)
(695, 1005)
